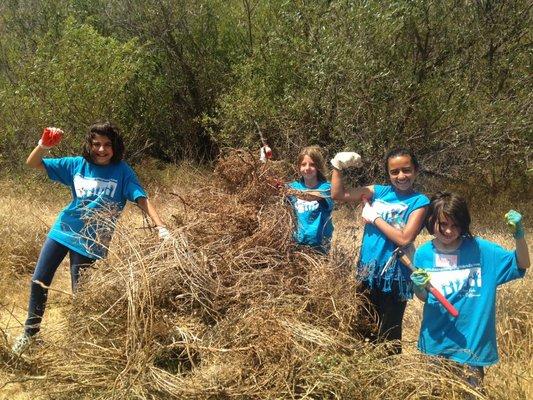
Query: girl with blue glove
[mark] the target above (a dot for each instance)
(100, 183)
(468, 271)
(313, 211)
(394, 215)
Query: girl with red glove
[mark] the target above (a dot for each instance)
(101, 183)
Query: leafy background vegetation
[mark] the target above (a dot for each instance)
(183, 78)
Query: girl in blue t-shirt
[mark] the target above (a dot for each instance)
(100, 183)
(394, 215)
(311, 201)
(467, 270)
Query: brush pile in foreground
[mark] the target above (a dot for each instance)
(227, 309)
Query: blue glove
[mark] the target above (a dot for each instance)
(420, 279)
(514, 220)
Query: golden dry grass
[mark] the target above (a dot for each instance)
(228, 309)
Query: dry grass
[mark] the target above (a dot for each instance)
(25, 222)
(230, 309)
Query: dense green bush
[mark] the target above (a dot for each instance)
(73, 80)
(449, 78)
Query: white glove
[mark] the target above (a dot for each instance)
(369, 214)
(163, 233)
(265, 153)
(346, 159)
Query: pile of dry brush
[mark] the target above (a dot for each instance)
(229, 308)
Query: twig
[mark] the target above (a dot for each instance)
(51, 288)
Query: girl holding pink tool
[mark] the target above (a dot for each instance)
(467, 270)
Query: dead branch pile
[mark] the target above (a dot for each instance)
(227, 309)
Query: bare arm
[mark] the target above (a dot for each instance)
(408, 233)
(147, 206)
(339, 193)
(35, 159)
(522, 253)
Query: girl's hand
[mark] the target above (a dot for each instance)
(420, 279)
(514, 221)
(51, 137)
(163, 233)
(346, 159)
(369, 214)
(265, 153)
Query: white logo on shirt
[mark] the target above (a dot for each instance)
(304, 205)
(446, 260)
(89, 187)
(449, 279)
(391, 212)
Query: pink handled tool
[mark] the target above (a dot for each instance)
(432, 289)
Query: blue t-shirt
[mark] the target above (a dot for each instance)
(95, 189)
(376, 249)
(468, 278)
(314, 225)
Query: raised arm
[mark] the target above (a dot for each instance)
(338, 192)
(354, 195)
(514, 220)
(35, 159)
(522, 253)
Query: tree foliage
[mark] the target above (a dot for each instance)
(451, 79)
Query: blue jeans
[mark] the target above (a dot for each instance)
(52, 253)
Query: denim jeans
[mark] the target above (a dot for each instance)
(52, 253)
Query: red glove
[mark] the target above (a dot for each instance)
(50, 138)
(265, 153)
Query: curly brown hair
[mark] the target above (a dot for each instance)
(111, 131)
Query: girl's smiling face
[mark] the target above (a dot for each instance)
(308, 171)
(402, 173)
(101, 149)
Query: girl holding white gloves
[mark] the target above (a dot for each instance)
(394, 215)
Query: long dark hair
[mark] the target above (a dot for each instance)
(111, 131)
(452, 206)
